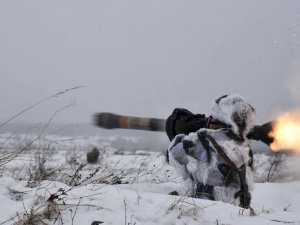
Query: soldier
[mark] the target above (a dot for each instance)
(211, 153)
(182, 121)
(214, 163)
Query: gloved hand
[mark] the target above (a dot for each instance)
(245, 198)
(179, 154)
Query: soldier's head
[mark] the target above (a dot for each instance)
(234, 111)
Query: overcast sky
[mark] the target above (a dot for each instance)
(144, 58)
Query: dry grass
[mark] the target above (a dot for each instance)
(187, 207)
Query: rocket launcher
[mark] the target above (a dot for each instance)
(113, 121)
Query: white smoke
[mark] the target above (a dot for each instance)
(294, 86)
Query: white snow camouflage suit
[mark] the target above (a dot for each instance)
(205, 172)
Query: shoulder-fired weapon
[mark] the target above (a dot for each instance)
(113, 121)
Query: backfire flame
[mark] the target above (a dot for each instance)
(286, 132)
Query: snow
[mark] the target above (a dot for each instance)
(132, 187)
(150, 204)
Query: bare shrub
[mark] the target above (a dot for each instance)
(275, 164)
(187, 207)
(269, 167)
(92, 156)
(10, 156)
(38, 168)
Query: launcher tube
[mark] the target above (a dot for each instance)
(113, 121)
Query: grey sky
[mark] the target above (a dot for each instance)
(144, 58)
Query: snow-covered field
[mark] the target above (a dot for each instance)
(50, 182)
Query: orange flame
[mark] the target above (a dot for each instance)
(286, 132)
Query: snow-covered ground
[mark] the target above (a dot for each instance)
(51, 183)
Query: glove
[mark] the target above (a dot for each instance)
(179, 155)
(245, 198)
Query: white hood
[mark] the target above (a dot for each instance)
(229, 107)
